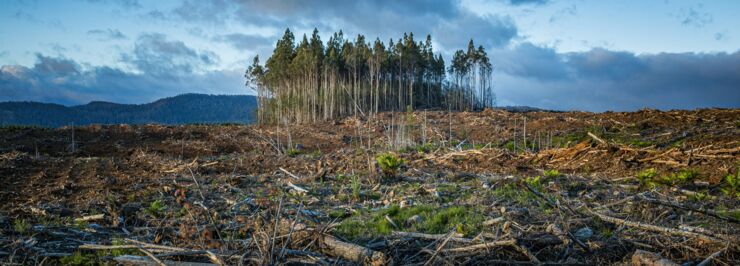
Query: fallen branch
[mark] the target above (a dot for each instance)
(487, 245)
(90, 218)
(289, 173)
(688, 208)
(596, 138)
(655, 228)
(454, 237)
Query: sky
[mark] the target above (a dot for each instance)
(555, 54)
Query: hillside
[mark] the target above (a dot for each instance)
(182, 109)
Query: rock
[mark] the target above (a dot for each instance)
(584, 233)
(413, 220)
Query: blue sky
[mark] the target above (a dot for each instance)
(566, 55)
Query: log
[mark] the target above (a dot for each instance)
(334, 247)
(645, 258)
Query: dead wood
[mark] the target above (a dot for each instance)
(655, 228)
(332, 246)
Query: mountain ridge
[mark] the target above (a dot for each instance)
(180, 109)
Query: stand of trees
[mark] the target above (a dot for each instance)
(314, 81)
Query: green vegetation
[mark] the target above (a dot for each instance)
(646, 177)
(732, 185)
(21, 226)
(514, 193)
(640, 143)
(389, 163)
(464, 220)
(292, 152)
(649, 178)
(421, 148)
(552, 173)
(677, 179)
(156, 209)
(355, 186)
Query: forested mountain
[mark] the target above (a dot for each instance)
(314, 81)
(182, 109)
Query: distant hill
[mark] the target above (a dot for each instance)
(182, 109)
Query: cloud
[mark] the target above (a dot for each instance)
(450, 24)
(212, 11)
(154, 54)
(64, 81)
(695, 16)
(127, 4)
(244, 41)
(600, 80)
(721, 36)
(528, 2)
(108, 34)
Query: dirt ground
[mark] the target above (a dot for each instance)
(586, 188)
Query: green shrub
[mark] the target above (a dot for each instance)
(680, 178)
(552, 173)
(732, 185)
(355, 186)
(389, 163)
(21, 226)
(434, 220)
(293, 152)
(156, 209)
(647, 176)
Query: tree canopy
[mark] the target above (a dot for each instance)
(313, 80)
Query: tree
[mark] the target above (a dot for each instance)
(315, 81)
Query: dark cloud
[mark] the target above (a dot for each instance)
(445, 20)
(212, 11)
(489, 31)
(600, 80)
(154, 54)
(64, 81)
(244, 41)
(107, 34)
(528, 60)
(527, 2)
